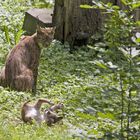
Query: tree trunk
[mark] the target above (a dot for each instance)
(73, 24)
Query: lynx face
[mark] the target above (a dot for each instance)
(45, 36)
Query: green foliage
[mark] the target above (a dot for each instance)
(12, 15)
(122, 58)
(7, 34)
(94, 84)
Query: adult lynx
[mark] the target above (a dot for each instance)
(21, 67)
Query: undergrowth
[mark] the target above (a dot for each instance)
(89, 90)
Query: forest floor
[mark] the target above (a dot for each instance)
(91, 101)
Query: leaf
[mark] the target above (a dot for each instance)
(100, 44)
(86, 6)
(138, 40)
(135, 52)
(138, 22)
(116, 7)
(106, 116)
(124, 2)
(18, 35)
(89, 46)
(111, 65)
(138, 35)
(135, 5)
(109, 4)
(125, 52)
(99, 5)
(101, 65)
(6, 31)
(85, 116)
(93, 131)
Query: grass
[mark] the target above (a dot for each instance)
(90, 93)
(63, 77)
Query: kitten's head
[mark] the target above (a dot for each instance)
(45, 35)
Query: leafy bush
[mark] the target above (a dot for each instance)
(122, 59)
(99, 87)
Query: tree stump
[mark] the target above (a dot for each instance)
(34, 17)
(74, 24)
